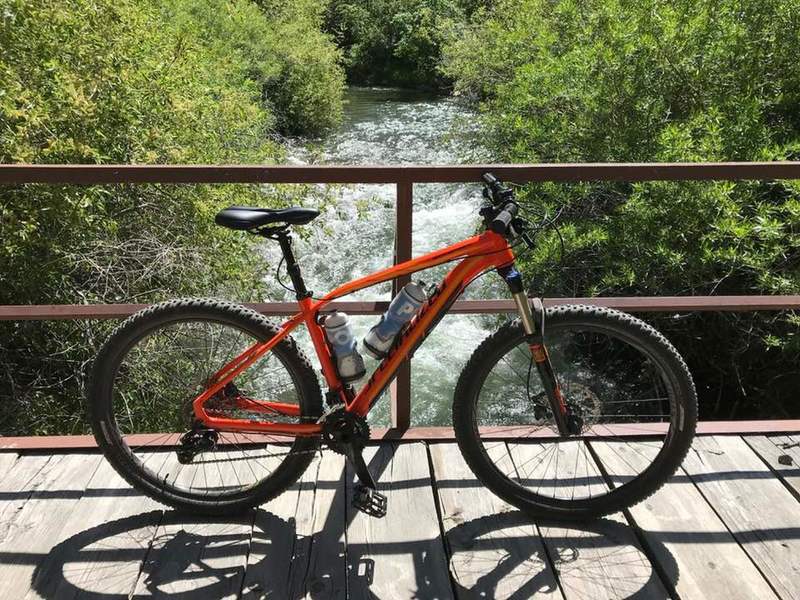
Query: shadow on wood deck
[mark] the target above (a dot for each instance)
(726, 526)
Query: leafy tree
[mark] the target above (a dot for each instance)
(614, 80)
(154, 81)
(393, 42)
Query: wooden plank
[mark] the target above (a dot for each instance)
(599, 560)
(782, 454)
(495, 551)
(103, 544)
(21, 480)
(206, 556)
(31, 523)
(7, 461)
(277, 527)
(760, 512)
(400, 555)
(321, 570)
(684, 534)
(297, 549)
(19, 483)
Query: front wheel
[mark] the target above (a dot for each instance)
(629, 388)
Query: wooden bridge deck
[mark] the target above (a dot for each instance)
(726, 526)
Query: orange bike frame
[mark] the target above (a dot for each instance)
(476, 255)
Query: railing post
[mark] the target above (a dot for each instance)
(401, 387)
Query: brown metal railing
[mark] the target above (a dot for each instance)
(404, 177)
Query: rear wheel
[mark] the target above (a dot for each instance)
(629, 387)
(140, 398)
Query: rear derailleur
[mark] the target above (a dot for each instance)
(347, 433)
(197, 440)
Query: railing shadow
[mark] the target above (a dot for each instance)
(410, 483)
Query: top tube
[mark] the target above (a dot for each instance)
(485, 243)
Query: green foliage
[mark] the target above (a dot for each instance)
(613, 80)
(156, 81)
(307, 85)
(393, 42)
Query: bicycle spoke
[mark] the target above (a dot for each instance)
(613, 388)
(155, 386)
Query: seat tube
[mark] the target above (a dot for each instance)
(292, 267)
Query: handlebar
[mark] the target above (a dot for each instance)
(499, 217)
(504, 218)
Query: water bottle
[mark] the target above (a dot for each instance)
(348, 361)
(403, 306)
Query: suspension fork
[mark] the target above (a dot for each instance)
(533, 324)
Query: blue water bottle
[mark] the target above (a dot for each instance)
(403, 306)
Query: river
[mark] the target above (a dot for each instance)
(356, 233)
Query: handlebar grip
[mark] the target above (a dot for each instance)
(503, 219)
(489, 179)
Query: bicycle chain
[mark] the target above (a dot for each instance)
(362, 424)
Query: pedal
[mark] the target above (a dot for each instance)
(369, 501)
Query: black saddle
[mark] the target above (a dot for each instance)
(246, 217)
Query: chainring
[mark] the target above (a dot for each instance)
(342, 429)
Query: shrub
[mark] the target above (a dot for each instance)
(155, 81)
(612, 80)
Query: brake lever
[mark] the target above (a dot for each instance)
(520, 227)
(528, 240)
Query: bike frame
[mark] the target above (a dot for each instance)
(476, 255)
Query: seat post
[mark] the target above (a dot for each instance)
(285, 241)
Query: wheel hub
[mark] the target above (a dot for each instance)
(585, 406)
(224, 401)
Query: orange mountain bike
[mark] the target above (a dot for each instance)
(570, 412)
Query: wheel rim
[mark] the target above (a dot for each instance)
(155, 381)
(626, 400)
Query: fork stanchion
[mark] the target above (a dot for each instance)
(401, 387)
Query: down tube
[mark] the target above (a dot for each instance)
(428, 317)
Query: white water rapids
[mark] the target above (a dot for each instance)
(356, 230)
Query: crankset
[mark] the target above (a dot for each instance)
(347, 433)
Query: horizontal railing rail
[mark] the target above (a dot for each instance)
(97, 174)
(47, 312)
(413, 434)
(404, 177)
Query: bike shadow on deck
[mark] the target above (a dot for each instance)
(169, 555)
(261, 555)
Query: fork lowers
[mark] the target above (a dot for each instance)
(566, 422)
